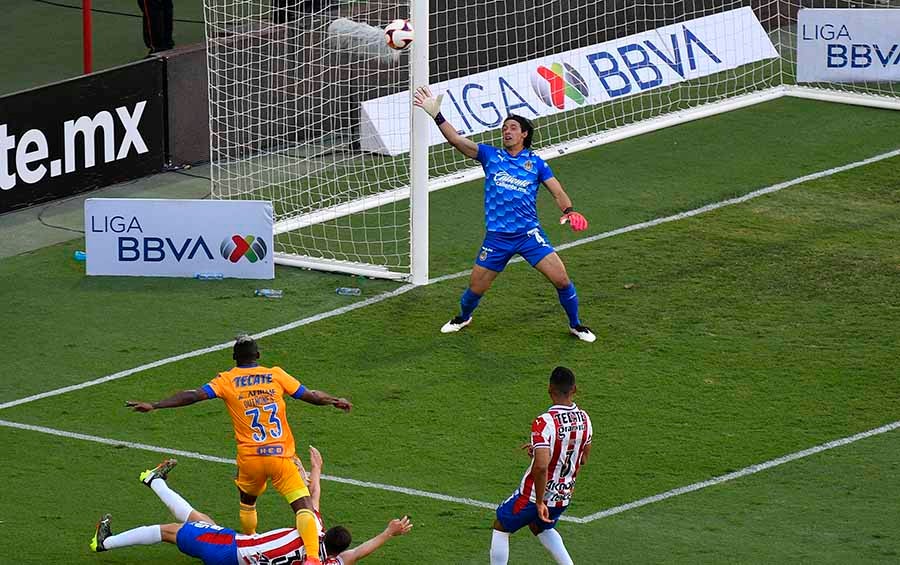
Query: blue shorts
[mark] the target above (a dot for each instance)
(517, 512)
(214, 545)
(498, 248)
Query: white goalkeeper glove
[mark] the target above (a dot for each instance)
(426, 101)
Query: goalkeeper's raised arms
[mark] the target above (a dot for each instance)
(431, 104)
(428, 102)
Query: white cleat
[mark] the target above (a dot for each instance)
(455, 325)
(583, 333)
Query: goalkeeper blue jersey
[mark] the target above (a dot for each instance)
(510, 188)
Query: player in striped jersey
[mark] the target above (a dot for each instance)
(197, 535)
(560, 445)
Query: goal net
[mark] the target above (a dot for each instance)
(310, 109)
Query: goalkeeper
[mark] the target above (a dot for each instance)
(513, 175)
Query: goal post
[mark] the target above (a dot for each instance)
(310, 109)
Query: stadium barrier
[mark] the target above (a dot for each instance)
(76, 135)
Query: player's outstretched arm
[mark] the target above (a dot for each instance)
(322, 398)
(432, 105)
(313, 479)
(396, 527)
(574, 219)
(183, 398)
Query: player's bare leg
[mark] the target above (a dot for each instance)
(480, 281)
(553, 268)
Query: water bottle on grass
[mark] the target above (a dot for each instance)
(268, 292)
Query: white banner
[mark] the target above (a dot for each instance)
(591, 75)
(179, 238)
(848, 45)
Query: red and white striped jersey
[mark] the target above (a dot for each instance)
(283, 546)
(275, 547)
(565, 431)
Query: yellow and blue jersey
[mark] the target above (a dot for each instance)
(510, 188)
(254, 396)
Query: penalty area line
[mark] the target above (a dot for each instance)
(406, 288)
(752, 469)
(211, 458)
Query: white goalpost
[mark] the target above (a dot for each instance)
(310, 109)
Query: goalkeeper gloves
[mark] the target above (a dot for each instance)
(576, 220)
(431, 104)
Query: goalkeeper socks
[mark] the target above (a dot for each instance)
(178, 506)
(568, 298)
(499, 548)
(554, 544)
(248, 518)
(467, 303)
(309, 532)
(144, 535)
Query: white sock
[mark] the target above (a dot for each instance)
(554, 544)
(144, 535)
(178, 506)
(499, 548)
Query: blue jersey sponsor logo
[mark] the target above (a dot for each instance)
(510, 189)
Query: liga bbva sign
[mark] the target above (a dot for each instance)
(848, 45)
(591, 75)
(179, 238)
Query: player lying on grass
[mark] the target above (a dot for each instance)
(197, 535)
(254, 396)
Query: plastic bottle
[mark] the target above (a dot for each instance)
(79, 255)
(348, 291)
(268, 292)
(209, 276)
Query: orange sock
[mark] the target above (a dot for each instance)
(309, 531)
(248, 518)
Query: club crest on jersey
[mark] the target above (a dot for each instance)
(529, 165)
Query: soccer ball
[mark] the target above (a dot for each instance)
(398, 34)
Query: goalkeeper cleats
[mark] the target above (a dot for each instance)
(103, 531)
(455, 325)
(583, 333)
(161, 471)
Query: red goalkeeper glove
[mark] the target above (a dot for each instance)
(576, 220)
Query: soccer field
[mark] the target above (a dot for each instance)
(731, 342)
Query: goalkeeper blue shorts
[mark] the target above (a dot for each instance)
(498, 248)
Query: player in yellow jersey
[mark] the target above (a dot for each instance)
(265, 444)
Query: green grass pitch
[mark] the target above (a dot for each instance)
(725, 340)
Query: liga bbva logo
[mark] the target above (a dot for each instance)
(557, 82)
(251, 247)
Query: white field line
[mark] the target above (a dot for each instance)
(752, 469)
(406, 288)
(403, 289)
(741, 473)
(214, 459)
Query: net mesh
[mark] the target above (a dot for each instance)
(292, 85)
